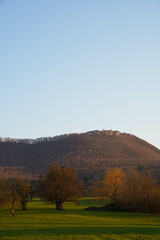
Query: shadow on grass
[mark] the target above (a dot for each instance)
(83, 212)
(81, 230)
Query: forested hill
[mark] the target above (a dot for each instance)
(90, 153)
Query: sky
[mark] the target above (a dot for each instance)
(76, 66)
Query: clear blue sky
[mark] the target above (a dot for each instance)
(74, 66)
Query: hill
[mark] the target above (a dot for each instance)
(90, 153)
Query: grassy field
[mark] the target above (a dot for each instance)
(41, 221)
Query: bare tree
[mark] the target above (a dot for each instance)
(24, 191)
(141, 193)
(59, 185)
(14, 190)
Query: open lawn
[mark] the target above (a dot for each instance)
(40, 221)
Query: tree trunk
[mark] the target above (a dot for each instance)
(23, 203)
(12, 211)
(59, 206)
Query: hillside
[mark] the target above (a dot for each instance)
(90, 153)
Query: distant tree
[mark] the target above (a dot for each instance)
(141, 193)
(14, 190)
(60, 185)
(131, 191)
(111, 186)
(4, 193)
(97, 189)
(113, 183)
(24, 191)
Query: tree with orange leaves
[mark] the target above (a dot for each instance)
(112, 185)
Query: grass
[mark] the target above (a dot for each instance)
(41, 221)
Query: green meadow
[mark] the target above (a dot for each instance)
(40, 221)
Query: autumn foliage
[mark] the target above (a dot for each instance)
(130, 191)
(141, 193)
